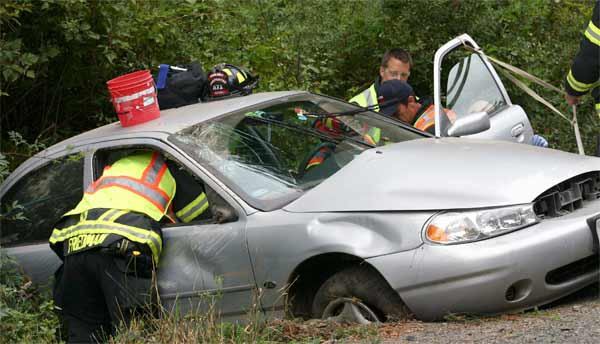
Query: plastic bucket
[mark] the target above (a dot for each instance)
(134, 97)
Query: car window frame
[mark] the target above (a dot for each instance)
(242, 210)
(450, 46)
(36, 163)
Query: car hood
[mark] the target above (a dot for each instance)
(446, 173)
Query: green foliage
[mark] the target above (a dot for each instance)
(4, 169)
(15, 150)
(56, 55)
(26, 315)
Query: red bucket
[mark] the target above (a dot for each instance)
(134, 97)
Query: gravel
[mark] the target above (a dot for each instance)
(575, 319)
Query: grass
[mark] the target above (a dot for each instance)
(27, 316)
(204, 325)
(26, 313)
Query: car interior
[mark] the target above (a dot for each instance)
(219, 211)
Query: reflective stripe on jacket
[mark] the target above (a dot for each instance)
(319, 157)
(426, 122)
(140, 182)
(366, 98)
(372, 136)
(190, 202)
(193, 209)
(102, 228)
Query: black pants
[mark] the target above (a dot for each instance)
(96, 293)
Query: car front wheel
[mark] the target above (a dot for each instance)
(358, 295)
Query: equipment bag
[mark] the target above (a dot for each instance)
(180, 85)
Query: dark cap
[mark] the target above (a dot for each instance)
(393, 92)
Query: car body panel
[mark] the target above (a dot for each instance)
(510, 124)
(37, 260)
(436, 280)
(299, 237)
(436, 174)
(203, 264)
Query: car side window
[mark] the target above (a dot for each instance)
(194, 202)
(32, 206)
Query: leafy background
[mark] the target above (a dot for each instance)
(56, 55)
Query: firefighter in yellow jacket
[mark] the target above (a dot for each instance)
(584, 75)
(395, 65)
(110, 243)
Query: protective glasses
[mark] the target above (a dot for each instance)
(396, 74)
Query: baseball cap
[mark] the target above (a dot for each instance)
(393, 92)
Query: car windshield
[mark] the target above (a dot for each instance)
(272, 152)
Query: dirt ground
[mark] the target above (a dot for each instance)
(574, 319)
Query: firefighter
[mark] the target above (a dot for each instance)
(399, 100)
(190, 202)
(110, 243)
(585, 70)
(395, 65)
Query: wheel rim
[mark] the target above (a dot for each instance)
(349, 310)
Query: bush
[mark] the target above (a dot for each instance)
(26, 314)
(56, 55)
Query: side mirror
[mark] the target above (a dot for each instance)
(470, 124)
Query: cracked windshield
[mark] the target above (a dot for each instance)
(273, 152)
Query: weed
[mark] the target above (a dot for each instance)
(26, 314)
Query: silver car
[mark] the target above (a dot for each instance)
(321, 209)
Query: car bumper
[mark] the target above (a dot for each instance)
(515, 271)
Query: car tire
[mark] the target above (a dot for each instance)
(365, 289)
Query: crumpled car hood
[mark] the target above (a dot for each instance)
(447, 173)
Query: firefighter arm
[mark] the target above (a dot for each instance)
(585, 70)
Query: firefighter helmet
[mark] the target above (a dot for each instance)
(226, 80)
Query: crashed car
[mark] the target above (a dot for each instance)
(367, 219)
(416, 224)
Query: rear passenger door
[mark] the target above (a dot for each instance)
(32, 204)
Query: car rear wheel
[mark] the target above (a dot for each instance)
(357, 295)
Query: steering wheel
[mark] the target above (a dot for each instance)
(329, 146)
(267, 149)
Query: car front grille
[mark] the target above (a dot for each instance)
(571, 271)
(568, 196)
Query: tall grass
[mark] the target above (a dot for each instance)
(26, 313)
(27, 316)
(204, 325)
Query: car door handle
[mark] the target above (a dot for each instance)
(517, 130)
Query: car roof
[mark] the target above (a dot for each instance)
(169, 122)
(174, 120)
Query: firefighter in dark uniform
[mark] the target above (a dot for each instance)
(585, 70)
(110, 244)
(190, 202)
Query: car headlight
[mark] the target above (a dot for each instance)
(467, 226)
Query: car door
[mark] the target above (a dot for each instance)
(32, 201)
(465, 82)
(204, 263)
